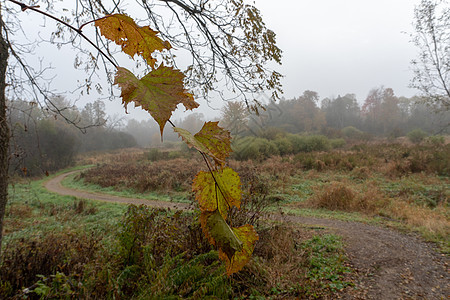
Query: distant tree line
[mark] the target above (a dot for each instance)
(381, 114)
(43, 142)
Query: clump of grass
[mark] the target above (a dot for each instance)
(82, 207)
(361, 173)
(335, 196)
(342, 196)
(301, 264)
(176, 174)
(370, 200)
(26, 259)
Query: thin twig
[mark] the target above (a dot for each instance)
(77, 30)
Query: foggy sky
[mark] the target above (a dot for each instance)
(343, 46)
(333, 47)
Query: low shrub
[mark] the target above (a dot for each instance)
(64, 253)
(309, 143)
(336, 196)
(255, 202)
(162, 175)
(155, 154)
(436, 140)
(317, 143)
(284, 145)
(353, 133)
(420, 159)
(308, 161)
(254, 148)
(337, 143)
(153, 252)
(331, 161)
(416, 136)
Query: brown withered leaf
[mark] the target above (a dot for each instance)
(134, 39)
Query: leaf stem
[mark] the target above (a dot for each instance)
(92, 21)
(215, 180)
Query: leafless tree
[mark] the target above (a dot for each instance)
(432, 38)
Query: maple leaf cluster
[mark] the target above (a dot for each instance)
(159, 92)
(217, 191)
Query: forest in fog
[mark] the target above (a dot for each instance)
(381, 114)
(44, 142)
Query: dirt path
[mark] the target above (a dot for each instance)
(390, 265)
(54, 185)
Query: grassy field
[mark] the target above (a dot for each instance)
(63, 247)
(74, 248)
(405, 186)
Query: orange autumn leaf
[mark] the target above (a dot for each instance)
(159, 92)
(219, 233)
(248, 236)
(235, 245)
(134, 39)
(211, 140)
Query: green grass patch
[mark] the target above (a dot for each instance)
(32, 211)
(415, 190)
(325, 262)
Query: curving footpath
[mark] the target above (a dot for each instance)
(389, 264)
(54, 185)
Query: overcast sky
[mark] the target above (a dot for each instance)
(333, 47)
(343, 46)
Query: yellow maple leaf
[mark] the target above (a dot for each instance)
(211, 140)
(134, 39)
(220, 194)
(159, 92)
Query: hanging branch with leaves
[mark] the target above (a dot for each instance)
(159, 92)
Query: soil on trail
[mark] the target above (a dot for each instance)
(389, 264)
(54, 185)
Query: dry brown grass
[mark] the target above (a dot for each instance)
(336, 196)
(370, 200)
(433, 221)
(17, 217)
(174, 174)
(113, 156)
(281, 254)
(19, 210)
(345, 196)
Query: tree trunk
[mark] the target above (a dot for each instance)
(4, 134)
